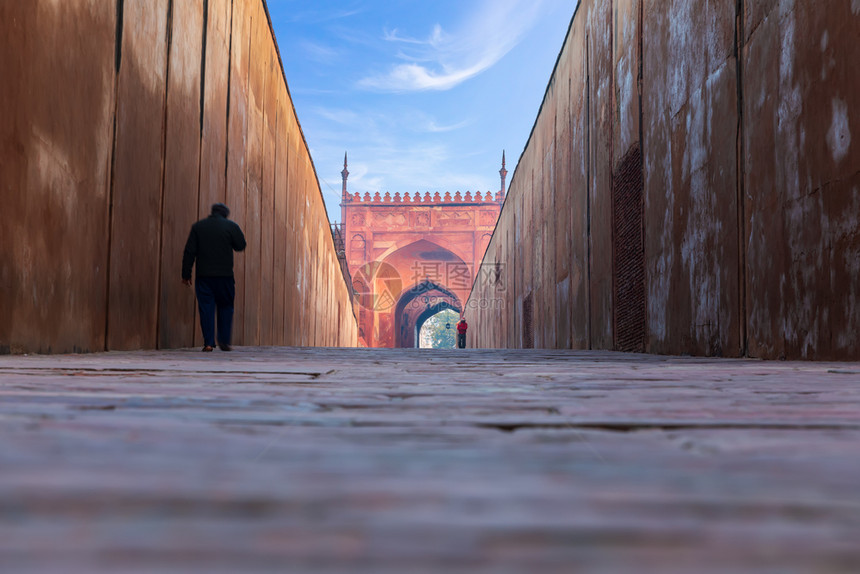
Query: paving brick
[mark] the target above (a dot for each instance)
(378, 461)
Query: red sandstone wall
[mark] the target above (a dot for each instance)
(122, 122)
(440, 239)
(677, 198)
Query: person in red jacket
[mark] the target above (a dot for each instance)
(461, 333)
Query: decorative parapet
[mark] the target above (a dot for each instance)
(478, 198)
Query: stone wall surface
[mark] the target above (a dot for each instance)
(691, 185)
(122, 123)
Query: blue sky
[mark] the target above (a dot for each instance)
(424, 95)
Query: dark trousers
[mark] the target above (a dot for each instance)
(461, 340)
(216, 294)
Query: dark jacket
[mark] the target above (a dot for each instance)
(212, 242)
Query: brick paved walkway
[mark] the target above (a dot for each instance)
(376, 461)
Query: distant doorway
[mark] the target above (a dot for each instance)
(416, 306)
(439, 331)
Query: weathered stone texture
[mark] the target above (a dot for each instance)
(182, 163)
(802, 179)
(138, 164)
(122, 123)
(55, 169)
(689, 108)
(378, 461)
(750, 184)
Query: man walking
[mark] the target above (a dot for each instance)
(461, 333)
(211, 243)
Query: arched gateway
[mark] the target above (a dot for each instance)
(412, 256)
(418, 304)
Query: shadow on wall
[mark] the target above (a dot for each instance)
(690, 186)
(130, 119)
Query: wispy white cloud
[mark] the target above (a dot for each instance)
(319, 17)
(436, 40)
(426, 167)
(386, 122)
(414, 77)
(313, 91)
(343, 117)
(444, 60)
(435, 128)
(320, 53)
(382, 158)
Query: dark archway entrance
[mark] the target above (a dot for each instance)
(444, 314)
(418, 304)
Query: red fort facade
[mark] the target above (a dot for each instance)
(411, 256)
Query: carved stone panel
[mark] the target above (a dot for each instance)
(454, 218)
(389, 219)
(488, 218)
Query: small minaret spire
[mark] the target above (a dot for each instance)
(504, 173)
(345, 174)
